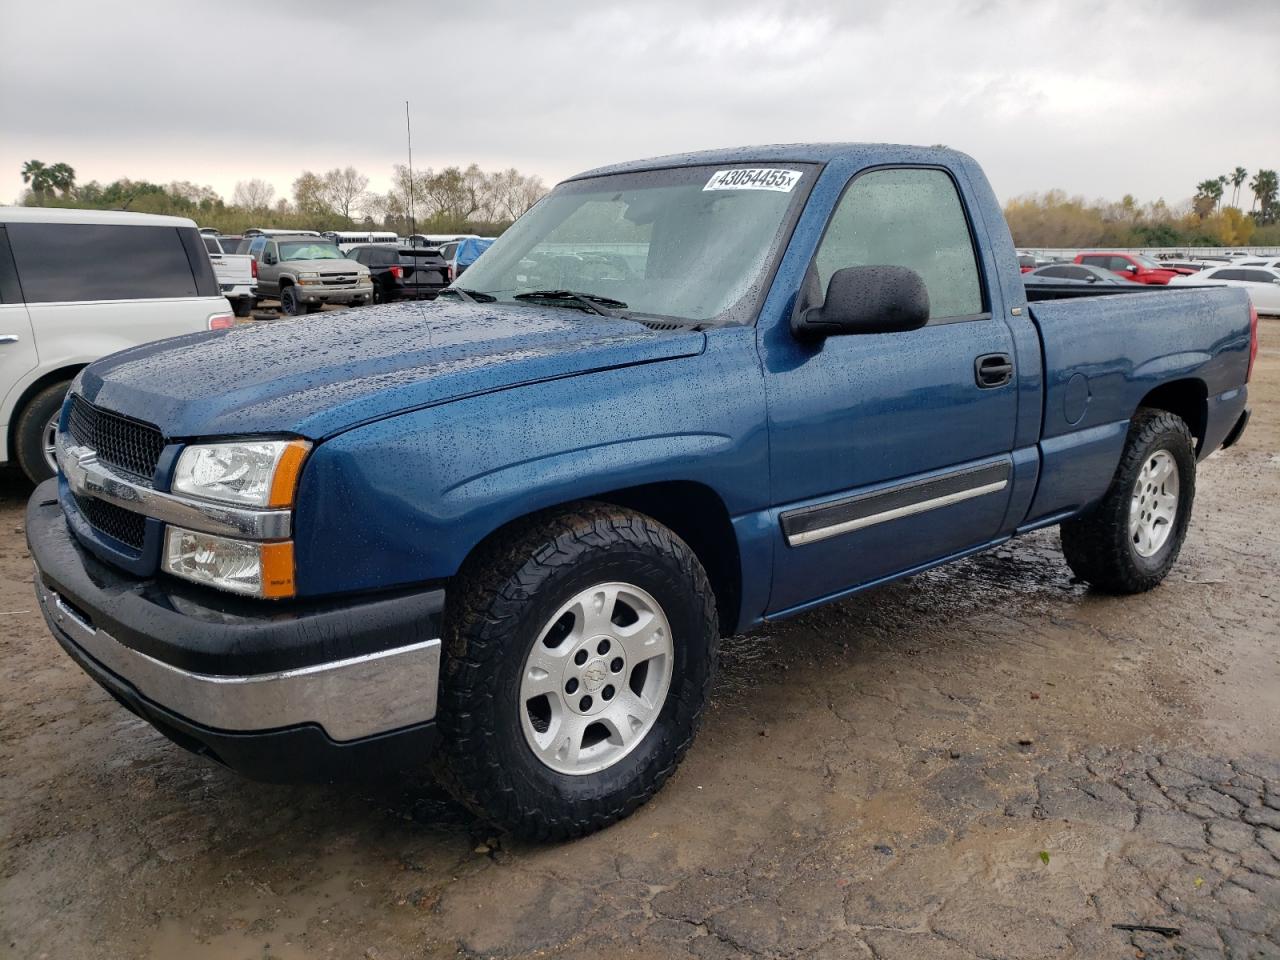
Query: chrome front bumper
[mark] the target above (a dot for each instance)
(350, 699)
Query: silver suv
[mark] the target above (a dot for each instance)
(305, 272)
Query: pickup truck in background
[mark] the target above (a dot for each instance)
(678, 399)
(237, 275)
(1133, 266)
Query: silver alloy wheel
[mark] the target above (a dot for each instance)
(49, 442)
(596, 678)
(1154, 504)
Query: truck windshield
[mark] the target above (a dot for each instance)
(686, 243)
(310, 250)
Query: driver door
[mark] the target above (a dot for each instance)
(890, 451)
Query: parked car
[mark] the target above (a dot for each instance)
(1186, 267)
(402, 273)
(306, 271)
(514, 526)
(1261, 283)
(460, 254)
(1080, 273)
(1272, 262)
(1133, 266)
(237, 275)
(76, 285)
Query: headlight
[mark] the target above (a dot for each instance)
(240, 566)
(363, 276)
(252, 473)
(309, 275)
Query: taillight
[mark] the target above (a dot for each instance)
(253, 266)
(397, 272)
(448, 273)
(221, 321)
(1253, 340)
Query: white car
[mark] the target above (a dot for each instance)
(1263, 284)
(76, 285)
(1273, 262)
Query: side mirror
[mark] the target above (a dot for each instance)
(879, 299)
(1131, 268)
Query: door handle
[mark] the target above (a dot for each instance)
(993, 370)
(8, 338)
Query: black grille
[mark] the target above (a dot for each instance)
(124, 525)
(120, 442)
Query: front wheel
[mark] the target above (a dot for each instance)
(579, 653)
(1128, 542)
(36, 430)
(289, 304)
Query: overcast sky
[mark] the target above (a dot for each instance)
(1098, 98)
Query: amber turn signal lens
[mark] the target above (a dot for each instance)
(284, 484)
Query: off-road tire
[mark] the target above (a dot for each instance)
(504, 598)
(290, 306)
(1097, 544)
(29, 430)
(242, 306)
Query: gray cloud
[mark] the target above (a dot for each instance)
(1094, 97)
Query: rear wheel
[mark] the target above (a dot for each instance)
(1128, 542)
(35, 431)
(242, 307)
(579, 653)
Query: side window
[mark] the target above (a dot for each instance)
(1055, 272)
(10, 291)
(1229, 275)
(211, 244)
(906, 218)
(1257, 276)
(255, 247)
(1076, 273)
(1103, 262)
(272, 250)
(59, 262)
(1120, 263)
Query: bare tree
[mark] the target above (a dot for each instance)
(255, 195)
(343, 190)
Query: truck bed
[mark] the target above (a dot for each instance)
(1105, 353)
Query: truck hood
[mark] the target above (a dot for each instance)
(319, 375)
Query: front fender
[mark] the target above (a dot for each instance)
(405, 500)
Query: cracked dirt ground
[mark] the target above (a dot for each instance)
(986, 761)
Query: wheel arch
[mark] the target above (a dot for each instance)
(693, 511)
(1187, 398)
(67, 372)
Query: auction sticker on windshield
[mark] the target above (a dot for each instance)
(755, 178)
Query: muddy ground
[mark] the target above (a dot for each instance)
(986, 761)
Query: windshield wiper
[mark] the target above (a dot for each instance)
(591, 302)
(471, 296)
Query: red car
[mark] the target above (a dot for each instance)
(1132, 266)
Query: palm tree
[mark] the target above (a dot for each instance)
(62, 177)
(36, 173)
(1208, 193)
(1265, 186)
(1238, 176)
(1222, 188)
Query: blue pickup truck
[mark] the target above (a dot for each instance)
(502, 533)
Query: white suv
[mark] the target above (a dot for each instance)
(76, 285)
